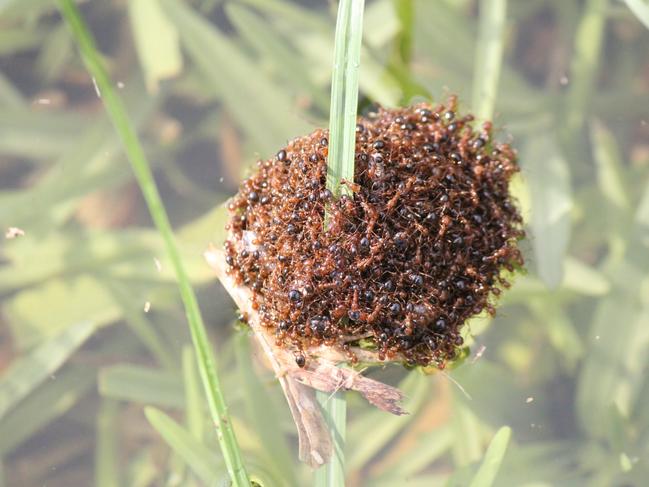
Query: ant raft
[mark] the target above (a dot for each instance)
(421, 246)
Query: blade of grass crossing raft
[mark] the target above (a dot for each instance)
(344, 95)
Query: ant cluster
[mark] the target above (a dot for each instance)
(419, 248)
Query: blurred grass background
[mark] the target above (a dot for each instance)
(97, 378)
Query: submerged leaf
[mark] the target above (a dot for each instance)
(38, 313)
(609, 166)
(156, 40)
(260, 107)
(612, 372)
(641, 10)
(60, 393)
(549, 179)
(143, 385)
(206, 463)
(487, 472)
(491, 39)
(29, 371)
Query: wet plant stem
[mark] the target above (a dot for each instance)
(340, 167)
(334, 410)
(344, 96)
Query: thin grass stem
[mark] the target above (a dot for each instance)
(344, 96)
(334, 409)
(489, 55)
(205, 358)
(340, 166)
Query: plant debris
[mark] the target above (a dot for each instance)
(399, 267)
(298, 382)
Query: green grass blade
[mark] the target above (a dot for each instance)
(154, 34)
(405, 12)
(334, 410)
(9, 8)
(143, 385)
(552, 203)
(29, 371)
(344, 95)
(487, 472)
(640, 9)
(384, 428)
(263, 109)
(17, 40)
(433, 445)
(611, 374)
(89, 154)
(560, 329)
(608, 162)
(585, 61)
(340, 165)
(642, 212)
(426, 480)
(489, 55)
(30, 311)
(106, 451)
(144, 176)
(194, 409)
(193, 399)
(60, 394)
(262, 415)
(311, 37)
(273, 48)
(384, 25)
(33, 135)
(290, 12)
(467, 441)
(379, 31)
(199, 457)
(143, 328)
(10, 97)
(142, 469)
(55, 54)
